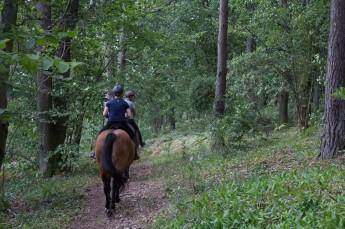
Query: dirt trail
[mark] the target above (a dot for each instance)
(141, 202)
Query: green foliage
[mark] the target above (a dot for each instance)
(269, 184)
(44, 203)
(4, 115)
(201, 94)
(3, 43)
(291, 199)
(340, 93)
(69, 157)
(170, 52)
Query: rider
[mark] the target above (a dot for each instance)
(130, 97)
(116, 110)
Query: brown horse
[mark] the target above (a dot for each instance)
(114, 154)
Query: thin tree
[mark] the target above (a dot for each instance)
(218, 142)
(333, 134)
(7, 23)
(44, 99)
(68, 22)
(283, 106)
(218, 105)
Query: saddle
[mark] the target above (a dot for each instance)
(123, 126)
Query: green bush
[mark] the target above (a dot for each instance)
(309, 199)
(201, 93)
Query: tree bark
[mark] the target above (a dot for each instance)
(218, 141)
(283, 101)
(303, 107)
(316, 96)
(218, 105)
(250, 44)
(121, 56)
(44, 101)
(333, 134)
(171, 118)
(8, 22)
(68, 23)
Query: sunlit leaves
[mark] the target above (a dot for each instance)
(47, 63)
(69, 34)
(3, 43)
(30, 62)
(5, 115)
(340, 93)
(62, 67)
(33, 62)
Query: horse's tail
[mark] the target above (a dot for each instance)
(107, 162)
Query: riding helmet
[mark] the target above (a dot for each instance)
(129, 94)
(118, 90)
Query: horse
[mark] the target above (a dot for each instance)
(115, 152)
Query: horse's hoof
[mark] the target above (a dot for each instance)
(109, 212)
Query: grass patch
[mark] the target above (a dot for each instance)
(269, 183)
(35, 202)
(294, 199)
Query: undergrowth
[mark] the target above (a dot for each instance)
(274, 182)
(31, 201)
(268, 182)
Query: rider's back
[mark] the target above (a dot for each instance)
(117, 110)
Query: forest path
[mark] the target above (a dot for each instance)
(141, 202)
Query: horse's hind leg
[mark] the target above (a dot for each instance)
(115, 198)
(107, 188)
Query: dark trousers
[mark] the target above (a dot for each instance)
(136, 128)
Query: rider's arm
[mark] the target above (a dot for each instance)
(129, 113)
(105, 112)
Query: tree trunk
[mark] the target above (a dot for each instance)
(250, 44)
(283, 101)
(218, 141)
(109, 61)
(171, 118)
(218, 106)
(333, 134)
(316, 96)
(44, 101)
(78, 130)
(76, 125)
(121, 57)
(8, 21)
(302, 114)
(69, 22)
(157, 118)
(92, 4)
(303, 96)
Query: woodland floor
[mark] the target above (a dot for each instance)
(141, 202)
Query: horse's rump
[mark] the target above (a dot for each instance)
(122, 150)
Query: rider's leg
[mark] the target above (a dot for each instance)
(135, 126)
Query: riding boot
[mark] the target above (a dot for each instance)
(137, 131)
(136, 156)
(142, 143)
